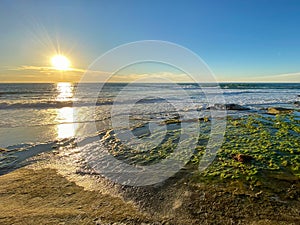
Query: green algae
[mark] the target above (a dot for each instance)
(272, 142)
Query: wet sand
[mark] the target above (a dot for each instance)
(42, 196)
(29, 196)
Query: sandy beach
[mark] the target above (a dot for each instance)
(29, 196)
(42, 196)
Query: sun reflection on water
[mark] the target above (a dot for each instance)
(66, 127)
(65, 92)
(65, 117)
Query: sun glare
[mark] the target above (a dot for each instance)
(60, 62)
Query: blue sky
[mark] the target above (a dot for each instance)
(239, 40)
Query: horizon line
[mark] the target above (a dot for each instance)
(224, 82)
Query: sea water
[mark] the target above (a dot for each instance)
(35, 114)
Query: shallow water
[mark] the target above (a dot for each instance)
(46, 113)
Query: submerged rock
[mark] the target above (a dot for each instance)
(230, 106)
(278, 110)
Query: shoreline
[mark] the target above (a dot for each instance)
(43, 196)
(253, 180)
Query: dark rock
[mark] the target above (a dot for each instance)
(3, 150)
(228, 107)
(242, 158)
(297, 103)
(278, 110)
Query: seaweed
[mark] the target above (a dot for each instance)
(273, 143)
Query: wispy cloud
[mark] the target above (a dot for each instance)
(151, 77)
(288, 75)
(75, 74)
(284, 77)
(44, 68)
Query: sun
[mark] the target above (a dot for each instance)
(60, 62)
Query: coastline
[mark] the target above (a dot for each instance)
(254, 179)
(43, 196)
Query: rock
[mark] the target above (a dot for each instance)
(297, 103)
(242, 158)
(230, 106)
(3, 150)
(278, 110)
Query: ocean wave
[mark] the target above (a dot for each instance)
(239, 92)
(36, 105)
(62, 104)
(2, 93)
(260, 85)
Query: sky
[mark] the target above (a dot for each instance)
(255, 41)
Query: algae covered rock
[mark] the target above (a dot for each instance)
(278, 110)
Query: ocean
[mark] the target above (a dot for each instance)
(35, 115)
